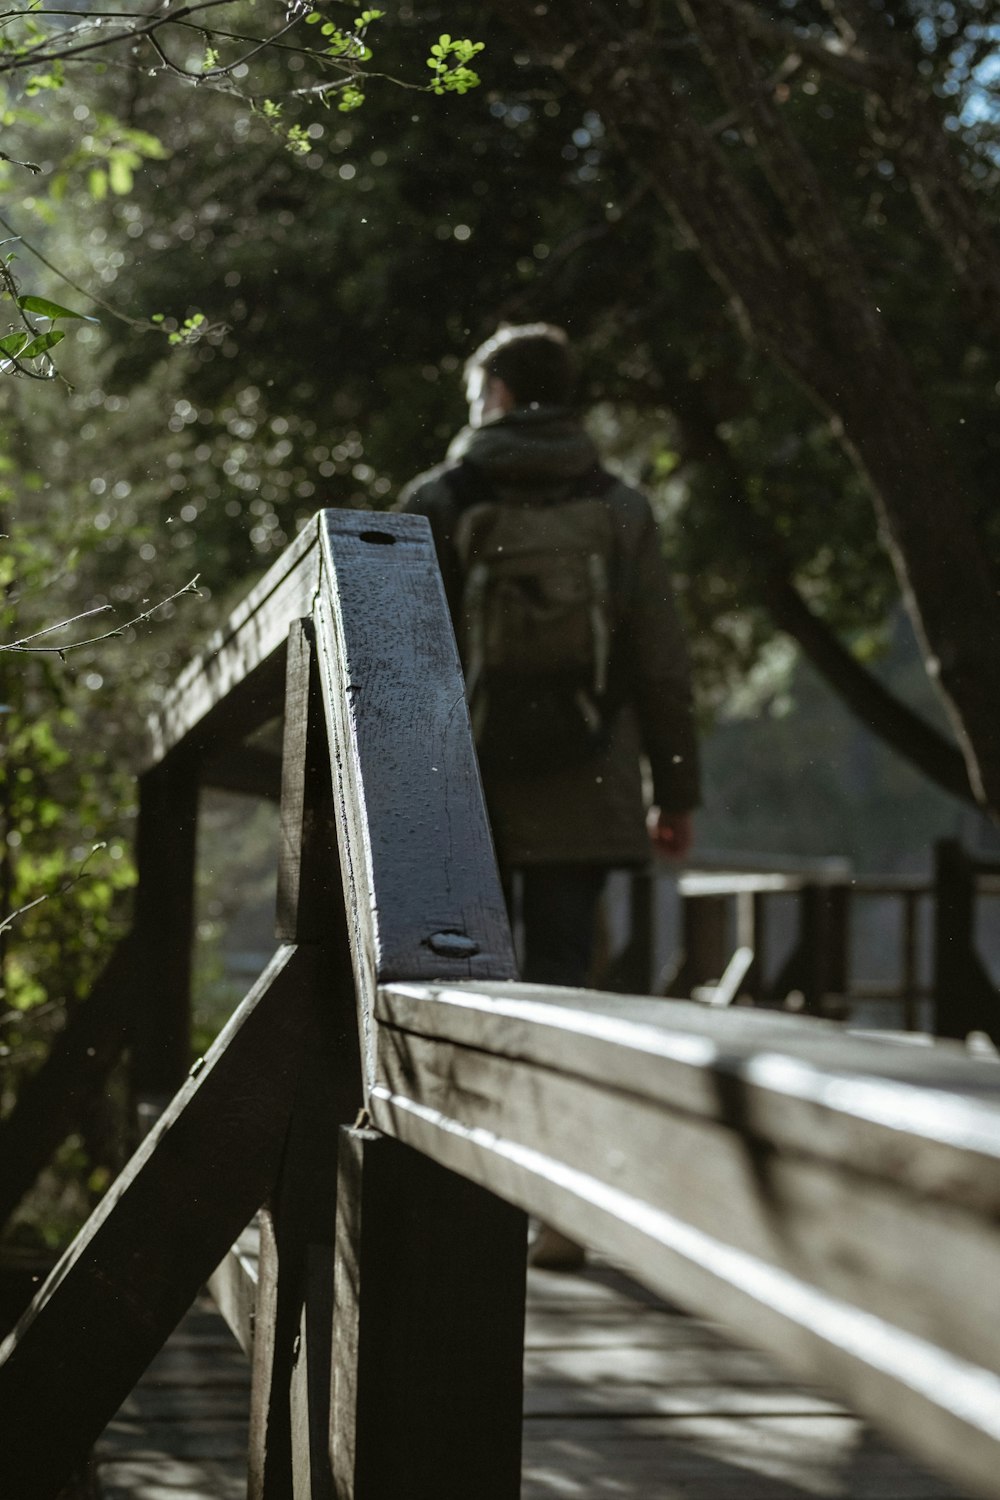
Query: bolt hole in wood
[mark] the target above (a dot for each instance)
(378, 538)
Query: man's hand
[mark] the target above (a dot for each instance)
(671, 833)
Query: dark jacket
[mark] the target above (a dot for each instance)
(595, 810)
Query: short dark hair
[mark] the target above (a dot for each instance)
(533, 361)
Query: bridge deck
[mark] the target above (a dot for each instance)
(625, 1398)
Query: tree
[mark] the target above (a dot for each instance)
(768, 228)
(385, 221)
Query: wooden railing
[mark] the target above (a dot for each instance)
(394, 1102)
(936, 979)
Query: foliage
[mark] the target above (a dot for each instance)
(288, 284)
(39, 51)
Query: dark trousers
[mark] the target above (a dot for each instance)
(558, 911)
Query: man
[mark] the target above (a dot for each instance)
(575, 664)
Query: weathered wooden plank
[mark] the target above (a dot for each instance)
(224, 689)
(299, 1222)
(879, 1289)
(927, 1115)
(49, 1103)
(268, 1441)
(233, 1286)
(717, 1458)
(310, 889)
(135, 1267)
(429, 1313)
(310, 1393)
(297, 1227)
(163, 932)
(861, 1237)
(301, 1214)
(420, 876)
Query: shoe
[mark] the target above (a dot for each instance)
(552, 1251)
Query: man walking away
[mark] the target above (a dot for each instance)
(576, 669)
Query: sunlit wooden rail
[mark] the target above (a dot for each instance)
(395, 1102)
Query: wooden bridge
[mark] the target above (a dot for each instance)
(393, 1103)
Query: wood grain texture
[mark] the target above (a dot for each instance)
(298, 1232)
(310, 890)
(233, 1285)
(928, 1115)
(861, 1237)
(766, 1170)
(312, 1472)
(428, 1330)
(182, 1432)
(416, 849)
(127, 1279)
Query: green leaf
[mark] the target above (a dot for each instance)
(13, 344)
(46, 309)
(43, 342)
(120, 175)
(97, 183)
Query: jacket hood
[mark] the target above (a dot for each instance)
(528, 446)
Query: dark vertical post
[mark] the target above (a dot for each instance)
(822, 945)
(750, 934)
(290, 1399)
(163, 929)
(954, 899)
(910, 899)
(429, 1286)
(641, 937)
(705, 926)
(761, 920)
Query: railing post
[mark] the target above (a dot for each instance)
(429, 1285)
(163, 930)
(291, 1358)
(957, 1008)
(909, 960)
(431, 1269)
(823, 944)
(704, 944)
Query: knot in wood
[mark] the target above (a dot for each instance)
(452, 945)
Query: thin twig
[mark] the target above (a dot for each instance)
(11, 1017)
(210, 74)
(24, 646)
(132, 34)
(61, 890)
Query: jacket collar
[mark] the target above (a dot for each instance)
(531, 445)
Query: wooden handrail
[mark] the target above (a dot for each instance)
(824, 1195)
(832, 1199)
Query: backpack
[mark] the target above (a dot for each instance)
(535, 622)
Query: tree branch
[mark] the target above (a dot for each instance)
(848, 63)
(26, 644)
(880, 710)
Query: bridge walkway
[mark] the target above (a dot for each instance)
(626, 1398)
